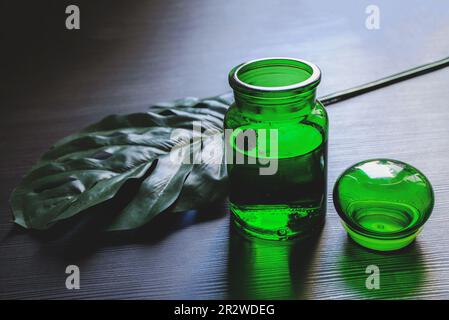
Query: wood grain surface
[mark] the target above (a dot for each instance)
(130, 54)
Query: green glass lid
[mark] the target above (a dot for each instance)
(383, 203)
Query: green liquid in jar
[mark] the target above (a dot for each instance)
(290, 202)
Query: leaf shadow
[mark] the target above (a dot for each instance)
(83, 244)
(83, 235)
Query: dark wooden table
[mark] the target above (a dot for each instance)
(128, 55)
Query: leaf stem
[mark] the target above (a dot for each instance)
(380, 83)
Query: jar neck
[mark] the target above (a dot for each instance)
(275, 88)
(293, 106)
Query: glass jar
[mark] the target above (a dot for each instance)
(276, 136)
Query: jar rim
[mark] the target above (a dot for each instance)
(314, 77)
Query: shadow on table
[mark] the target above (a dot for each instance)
(401, 273)
(83, 235)
(264, 269)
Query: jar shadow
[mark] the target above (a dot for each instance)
(401, 273)
(266, 269)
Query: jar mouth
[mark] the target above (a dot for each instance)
(275, 74)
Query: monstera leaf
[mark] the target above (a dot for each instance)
(160, 146)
